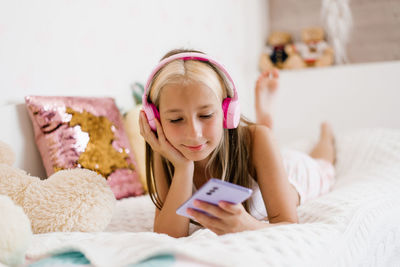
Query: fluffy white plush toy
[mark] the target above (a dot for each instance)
(15, 233)
(69, 200)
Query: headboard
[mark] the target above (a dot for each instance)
(350, 97)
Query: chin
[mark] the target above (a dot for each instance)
(197, 156)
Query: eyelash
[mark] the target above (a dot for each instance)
(175, 121)
(202, 116)
(207, 116)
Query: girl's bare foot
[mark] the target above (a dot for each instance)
(325, 148)
(266, 86)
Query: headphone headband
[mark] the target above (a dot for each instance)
(189, 56)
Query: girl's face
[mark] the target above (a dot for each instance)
(191, 117)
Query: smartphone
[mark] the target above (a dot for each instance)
(214, 191)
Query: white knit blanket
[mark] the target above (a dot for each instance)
(357, 224)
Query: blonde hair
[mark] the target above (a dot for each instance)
(186, 71)
(230, 160)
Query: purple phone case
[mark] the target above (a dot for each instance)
(213, 191)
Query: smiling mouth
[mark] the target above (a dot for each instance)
(195, 148)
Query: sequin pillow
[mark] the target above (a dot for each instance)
(80, 132)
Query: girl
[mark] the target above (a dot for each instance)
(193, 134)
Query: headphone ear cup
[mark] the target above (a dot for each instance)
(231, 111)
(151, 114)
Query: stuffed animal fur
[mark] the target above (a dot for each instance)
(69, 200)
(15, 233)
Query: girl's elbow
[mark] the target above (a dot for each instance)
(292, 220)
(287, 220)
(169, 232)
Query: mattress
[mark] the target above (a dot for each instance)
(356, 224)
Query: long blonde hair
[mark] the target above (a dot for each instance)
(230, 161)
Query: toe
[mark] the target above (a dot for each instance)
(275, 73)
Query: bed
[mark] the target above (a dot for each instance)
(356, 224)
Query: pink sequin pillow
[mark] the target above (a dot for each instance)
(80, 132)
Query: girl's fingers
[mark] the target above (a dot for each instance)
(141, 123)
(161, 137)
(146, 131)
(209, 208)
(230, 208)
(160, 132)
(207, 221)
(159, 143)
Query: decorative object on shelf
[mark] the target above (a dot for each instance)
(313, 50)
(338, 22)
(274, 55)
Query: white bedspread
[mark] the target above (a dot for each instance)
(357, 224)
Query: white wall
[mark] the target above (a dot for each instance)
(350, 97)
(71, 47)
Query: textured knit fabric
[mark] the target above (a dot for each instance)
(310, 177)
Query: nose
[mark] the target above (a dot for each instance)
(194, 128)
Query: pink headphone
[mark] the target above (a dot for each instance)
(230, 106)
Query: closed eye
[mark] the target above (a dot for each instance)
(176, 120)
(201, 116)
(207, 116)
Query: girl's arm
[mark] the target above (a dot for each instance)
(166, 220)
(280, 198)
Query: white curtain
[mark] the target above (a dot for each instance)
(338, 22)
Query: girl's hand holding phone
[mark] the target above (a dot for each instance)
(226, 217)
(160, 144)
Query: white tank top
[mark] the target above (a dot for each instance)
(257, 206)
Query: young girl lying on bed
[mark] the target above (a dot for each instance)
(194, 131)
